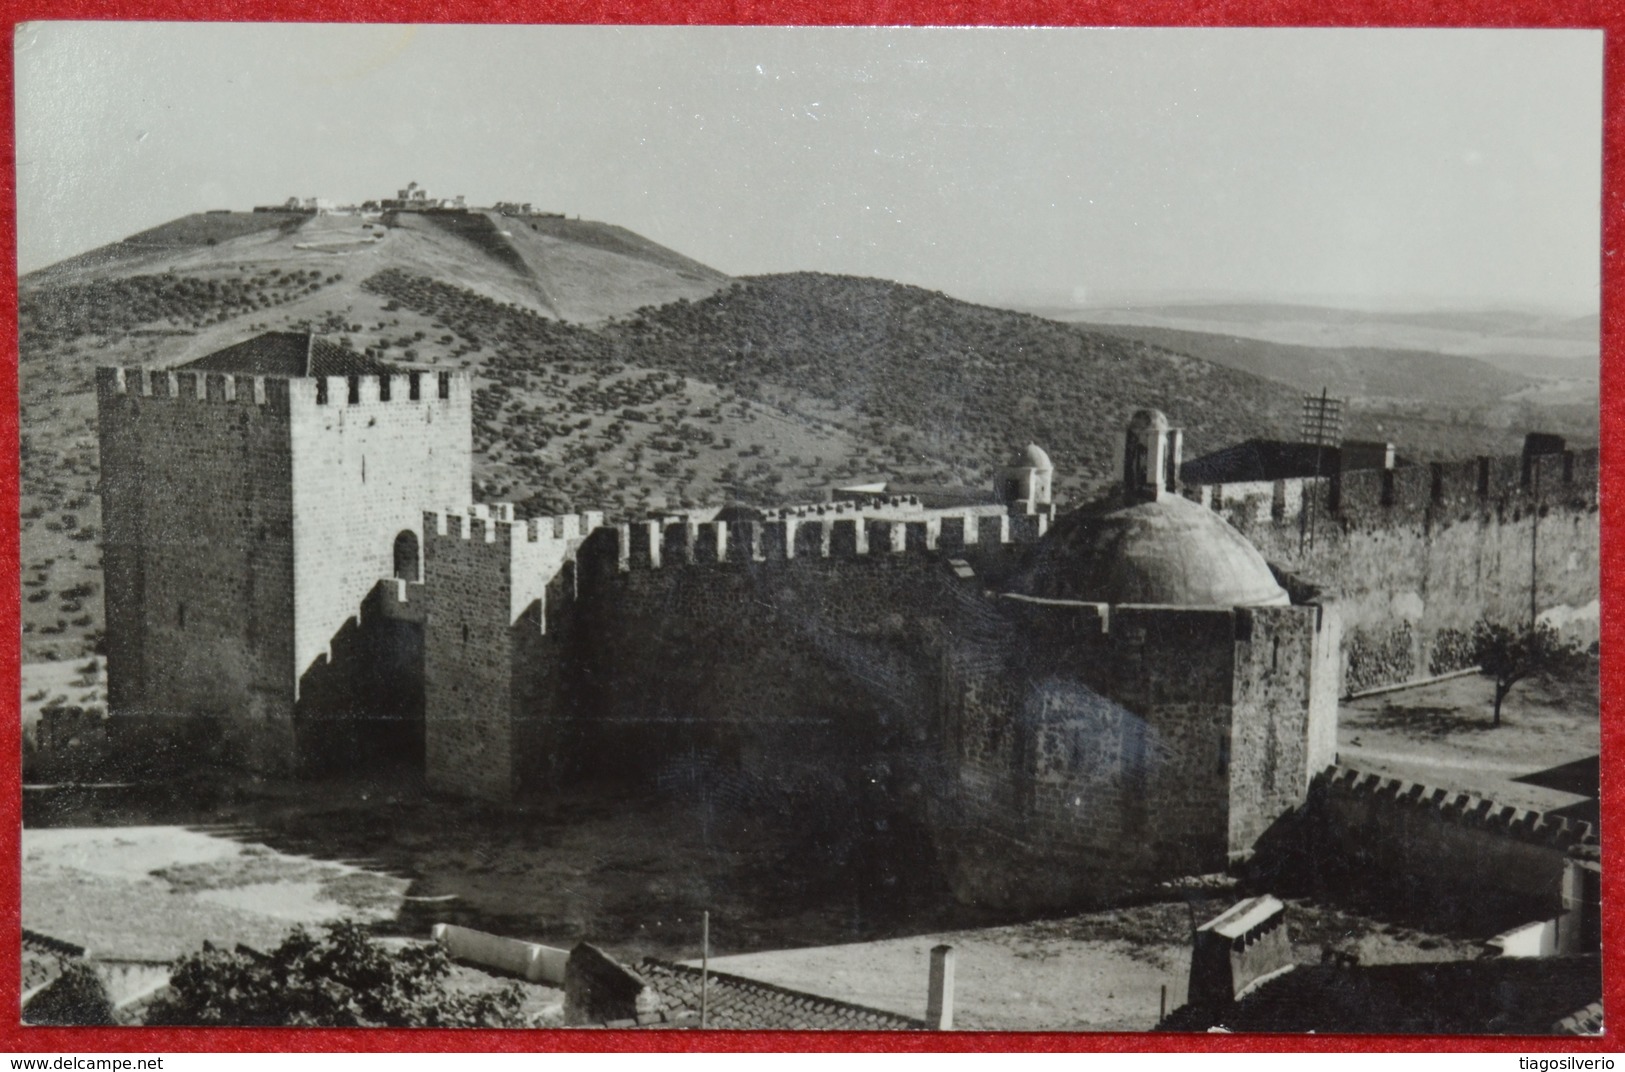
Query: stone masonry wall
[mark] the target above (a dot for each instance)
(1455, 852)
(1097, 749)
(793, 667)
(1091, 750)
(1420, 554)
(1284, 730)
(198, 560)
(368, 459)
(496, 596)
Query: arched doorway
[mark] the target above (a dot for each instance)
(406, 557)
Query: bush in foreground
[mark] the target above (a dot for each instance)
(341, 978)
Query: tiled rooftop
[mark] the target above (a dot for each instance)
(42, 959)
(1494, 995)
(288, 353)
(1586, 1021)
(737, 1003)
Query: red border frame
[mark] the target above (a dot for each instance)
(1607, 15)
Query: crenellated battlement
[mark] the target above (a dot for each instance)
(1438, 490)
(495, 523)
(518, 560)
(406, 387)
(234, 389)
(1455, 807)
(659, 544)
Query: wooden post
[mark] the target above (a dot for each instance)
(939, 1002)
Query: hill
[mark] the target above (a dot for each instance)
(781, 384)
(612, 373)
(576, 270)
(762, 389)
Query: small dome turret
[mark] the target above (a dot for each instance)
(1033, 458)
(1147, 420)
(1151, 453)
(1026, 481)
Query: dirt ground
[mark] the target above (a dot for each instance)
(610, 864)
(626, 876)
(1098, 971)
(154, 871)
(156, 874)
(1442, 735)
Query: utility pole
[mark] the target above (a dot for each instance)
(705, 968)
(1322, 426)
(1534, 545)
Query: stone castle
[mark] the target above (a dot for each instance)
(1072, 706)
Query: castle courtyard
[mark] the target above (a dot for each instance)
(150, 872)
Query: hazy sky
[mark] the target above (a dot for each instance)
(1372, 166)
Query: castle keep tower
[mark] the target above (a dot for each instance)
(251, 500)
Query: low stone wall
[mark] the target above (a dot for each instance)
(1450, 847)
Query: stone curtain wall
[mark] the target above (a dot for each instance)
(1420, 554)
(796, 671)
(198, 562)
(686, 652)
(1058, 752)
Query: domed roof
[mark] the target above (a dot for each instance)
(1172, 552)
(1032, 458)
(1149, 418)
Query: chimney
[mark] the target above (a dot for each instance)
(939, 1003)
(1245, 944)
(1151, 457)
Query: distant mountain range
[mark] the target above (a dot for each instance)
(1533, 344)
(611, 372)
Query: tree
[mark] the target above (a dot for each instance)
(1507, 655)
(341, 978)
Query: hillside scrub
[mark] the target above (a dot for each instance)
(974, 380)
(59, 314)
